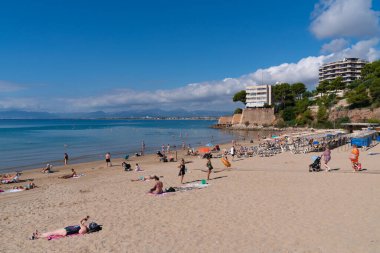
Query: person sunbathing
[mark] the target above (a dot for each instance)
(47, 169)
(26, 187)
(157, 189)
(70, 230)
(142, 178)
(11, 178)
(73, 174)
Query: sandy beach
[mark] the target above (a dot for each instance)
(261, 204)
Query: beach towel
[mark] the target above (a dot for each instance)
(55, 237)
(79, 175)
(191, 186)
(12, 190)
(160, 195)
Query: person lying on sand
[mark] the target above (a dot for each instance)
(73, 174)
(25, 187)
(70, 230)
(11, 178)
(157, 189)
(142, 178)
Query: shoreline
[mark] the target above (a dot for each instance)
(252, 207)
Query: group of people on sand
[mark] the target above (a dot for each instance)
(354, 158)
(183, 170)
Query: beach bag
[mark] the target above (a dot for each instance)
(127, 167)
(170, 189)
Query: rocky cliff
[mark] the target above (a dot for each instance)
(355, 115)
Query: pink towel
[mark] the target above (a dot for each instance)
(54, 237)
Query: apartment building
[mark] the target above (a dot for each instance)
(258, 96)
(348, 68)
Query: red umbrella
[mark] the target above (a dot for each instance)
(204, 150)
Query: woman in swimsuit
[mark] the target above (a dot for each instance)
(158, 187)
(73, 174)
(210, 168)
(70, 230)
(182, 170)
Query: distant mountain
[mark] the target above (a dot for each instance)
(26, 115)
(102, 115)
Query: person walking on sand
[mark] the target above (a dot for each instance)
(233, 151)
(209, 167)
(108, 159)
(66, 158)
(163, 149)
(168, 149)
(354, 157)
(326, 158)
(182, 170)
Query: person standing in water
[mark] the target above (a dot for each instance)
(66, 158)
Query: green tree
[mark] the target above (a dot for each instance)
(301, 105)
(298, 90)
(283, 95)
(240, 96)
(338, 84)
(371, 70)
(374, 90)
(238, 111)
(288, 114)
(323, 87)
(322, 114)
(358, 97)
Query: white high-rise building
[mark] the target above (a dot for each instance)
(348, 68)
(258, 96)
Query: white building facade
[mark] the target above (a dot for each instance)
(258, 96)
(348, 68)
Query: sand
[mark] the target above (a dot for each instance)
(262, 204)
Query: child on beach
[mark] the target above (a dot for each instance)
(108, 159)
(354, 157)
(137, 168)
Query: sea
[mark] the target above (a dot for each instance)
(28, 144)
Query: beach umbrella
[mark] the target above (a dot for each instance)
(204, 150)
(315, 142)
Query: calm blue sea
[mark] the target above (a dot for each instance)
(26, 144)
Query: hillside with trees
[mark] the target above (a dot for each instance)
(294, 105)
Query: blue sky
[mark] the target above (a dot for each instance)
(120, 55)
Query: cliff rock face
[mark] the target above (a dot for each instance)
(259, 116)
(355, 115)
(236, 119)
